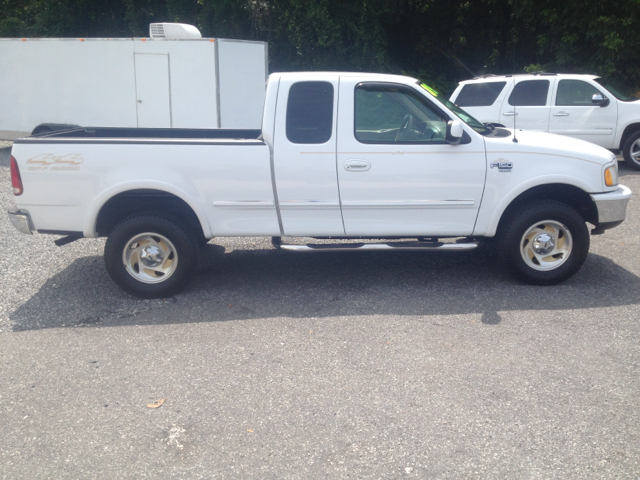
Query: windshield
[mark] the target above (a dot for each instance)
(625, 97)
(461, 114)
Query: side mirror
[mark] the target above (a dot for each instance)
(599, 99)
(454, 132)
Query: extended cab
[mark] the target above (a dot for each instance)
(380, 158)
(580, 106)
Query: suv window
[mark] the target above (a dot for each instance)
(530, 93)
(310, 112)
(388, 113)
(479, 94)
(575, 92)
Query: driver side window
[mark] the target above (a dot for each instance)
(395, 114)
(575, 93)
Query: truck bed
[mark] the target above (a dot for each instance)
(223, 175)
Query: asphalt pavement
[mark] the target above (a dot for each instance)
(279, 365)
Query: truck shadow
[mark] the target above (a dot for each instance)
(257, 284)
(625, 170)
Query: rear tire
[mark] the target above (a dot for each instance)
(631, 151)
(150, 257)
(544, 244)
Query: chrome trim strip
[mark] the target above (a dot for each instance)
(252, 204)
(408, 204)
(315, 204)
(612, 206)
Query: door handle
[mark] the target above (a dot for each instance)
(561, 114)
(357, 165)
(510, 114)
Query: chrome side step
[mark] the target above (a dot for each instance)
(350, 247)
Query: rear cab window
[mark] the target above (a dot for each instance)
(310, 112)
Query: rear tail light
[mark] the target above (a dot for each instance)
(16, 181)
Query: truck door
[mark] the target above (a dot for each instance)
(397, 174)
(152, 90)
(304, 156)
(574, 115)
(529, 104)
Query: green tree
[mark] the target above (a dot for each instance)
(438, 41)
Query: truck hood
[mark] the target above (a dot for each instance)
(549, 144)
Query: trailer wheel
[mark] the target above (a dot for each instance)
(544, 244)
(150, 257)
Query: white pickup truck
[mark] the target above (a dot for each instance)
(373, 157)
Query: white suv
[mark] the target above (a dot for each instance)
(580, 106)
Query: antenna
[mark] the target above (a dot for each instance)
(515, 114)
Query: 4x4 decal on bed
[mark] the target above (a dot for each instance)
(65, 162)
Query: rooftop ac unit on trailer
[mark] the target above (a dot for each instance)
(173, 31)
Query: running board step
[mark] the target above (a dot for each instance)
(349, 247)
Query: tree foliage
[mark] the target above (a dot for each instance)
(439, 41)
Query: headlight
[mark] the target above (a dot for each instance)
(611, 175)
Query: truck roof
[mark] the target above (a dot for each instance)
(374, 76)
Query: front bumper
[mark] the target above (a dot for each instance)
(21, 221)
(612, 206)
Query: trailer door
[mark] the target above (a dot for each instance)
(153, 93)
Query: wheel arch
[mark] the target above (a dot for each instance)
(569, 194)
(628, 131)
(115, 205)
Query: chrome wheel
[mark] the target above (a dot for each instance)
(634, 151)
(546, 245)
(150, 257)
(631, 151)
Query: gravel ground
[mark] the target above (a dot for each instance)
(360, 365)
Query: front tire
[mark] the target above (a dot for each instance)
(544, 244)
(631, 151)
(150, 257)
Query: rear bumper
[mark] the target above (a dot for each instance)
(612, 206)
(21, 221)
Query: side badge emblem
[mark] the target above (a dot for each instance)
(502, 166)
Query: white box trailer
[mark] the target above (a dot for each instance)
(175, 79)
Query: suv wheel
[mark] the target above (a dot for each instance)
(631, 151)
